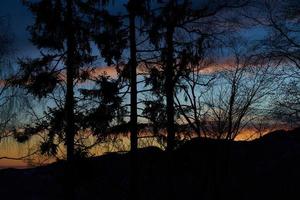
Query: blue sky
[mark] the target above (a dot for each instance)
(19, 18)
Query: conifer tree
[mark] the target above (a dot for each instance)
(62, 34)
(182, 32)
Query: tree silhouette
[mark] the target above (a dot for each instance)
(281, 20)
(180, 32)
(6, 94)
(113, 40)
(234, 100)
(64, 50)
(135, 8)
(104, 113)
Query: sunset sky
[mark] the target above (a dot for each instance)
(20, 18)
(149, 99)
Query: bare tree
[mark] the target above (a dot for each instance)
(286, 105)
(198, 23)
(281, 20)
(226, 98)
(189, 102)
(239, 96)
(6, 93)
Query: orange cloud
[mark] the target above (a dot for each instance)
(217, 67)
(109, 70)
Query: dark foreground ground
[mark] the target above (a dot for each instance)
(267, 168)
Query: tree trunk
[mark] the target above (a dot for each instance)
(133, 84)
(69, 104)
(170, 89)
(133, 107)
(170, 109)
(230, 112)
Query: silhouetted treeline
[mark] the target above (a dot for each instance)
(264, 168)
(175, 70)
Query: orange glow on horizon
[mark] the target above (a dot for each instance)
(18, 150)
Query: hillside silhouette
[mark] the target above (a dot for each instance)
(265, 168)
